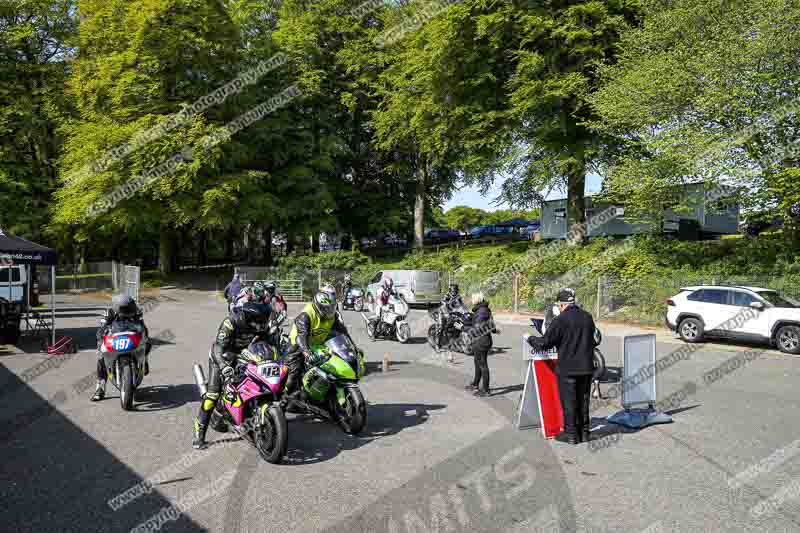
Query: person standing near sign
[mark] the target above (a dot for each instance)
(572, 333)
(481, 343)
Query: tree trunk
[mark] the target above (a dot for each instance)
(315, 242)
(202, 248)
(289, 242)
(419, 203)
(576, 205)
(229, 237)
(166, 252)
(267, 255)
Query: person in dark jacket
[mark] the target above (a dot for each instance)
(481, 336)
(233, 288)
(572, 333)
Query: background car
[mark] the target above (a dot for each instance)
(707, 311)
(439, 236)
(490, 231)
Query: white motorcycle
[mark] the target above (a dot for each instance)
(392, 323)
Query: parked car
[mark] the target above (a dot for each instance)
(394, 241)
(415, 286)
(490, 231)
(700, 312)
(439, 236)
(529, 230)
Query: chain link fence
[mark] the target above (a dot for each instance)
(639, 300)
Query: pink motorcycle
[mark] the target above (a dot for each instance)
(249, 402)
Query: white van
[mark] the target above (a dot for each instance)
(19, 279)
(14, 293)
(416, 286)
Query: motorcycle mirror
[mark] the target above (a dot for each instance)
(537, 324)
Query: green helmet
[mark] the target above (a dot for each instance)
(325, 305)
(259, 290)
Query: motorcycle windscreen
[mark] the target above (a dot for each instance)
(122, 326)
(344, 349)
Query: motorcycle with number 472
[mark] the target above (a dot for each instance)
(249, 403)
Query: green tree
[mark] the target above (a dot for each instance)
(139, 63)
(514, 81)
(706, 91)
(36, 44)
(463, 218)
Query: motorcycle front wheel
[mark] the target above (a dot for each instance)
(403, 333)
(126, 385)
(352, 416)
(271, 437)
(433, 337)
(359, 305)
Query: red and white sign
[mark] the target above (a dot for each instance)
(546, 380)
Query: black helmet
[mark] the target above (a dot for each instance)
(325, 305)
(124, 306)
(255, 315)
(271, 287)
(453, 289)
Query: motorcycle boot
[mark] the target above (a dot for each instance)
(99, 391)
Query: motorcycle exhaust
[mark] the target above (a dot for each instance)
(200, 379)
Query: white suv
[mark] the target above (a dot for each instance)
(747, 313)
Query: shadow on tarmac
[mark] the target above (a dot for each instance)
(58, 478)
(312, 441)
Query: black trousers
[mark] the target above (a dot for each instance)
(574, 393)
(480, 354)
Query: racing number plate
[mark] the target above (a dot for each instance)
(269, 370)
(122, 343)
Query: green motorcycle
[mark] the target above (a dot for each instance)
(331, 385)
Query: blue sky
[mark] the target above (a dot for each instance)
(471, 197)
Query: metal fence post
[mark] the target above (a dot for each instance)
(599, 296)
(319, 279)
(516, 293)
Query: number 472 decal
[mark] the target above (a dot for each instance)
(271, 372)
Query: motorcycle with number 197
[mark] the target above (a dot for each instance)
(125, 348)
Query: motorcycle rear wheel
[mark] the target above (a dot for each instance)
(352, 417)
(272, 436)
(126, 385)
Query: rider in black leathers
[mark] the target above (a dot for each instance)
(123, 307)
(451, 302)
(236, 332)
(346, 286)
